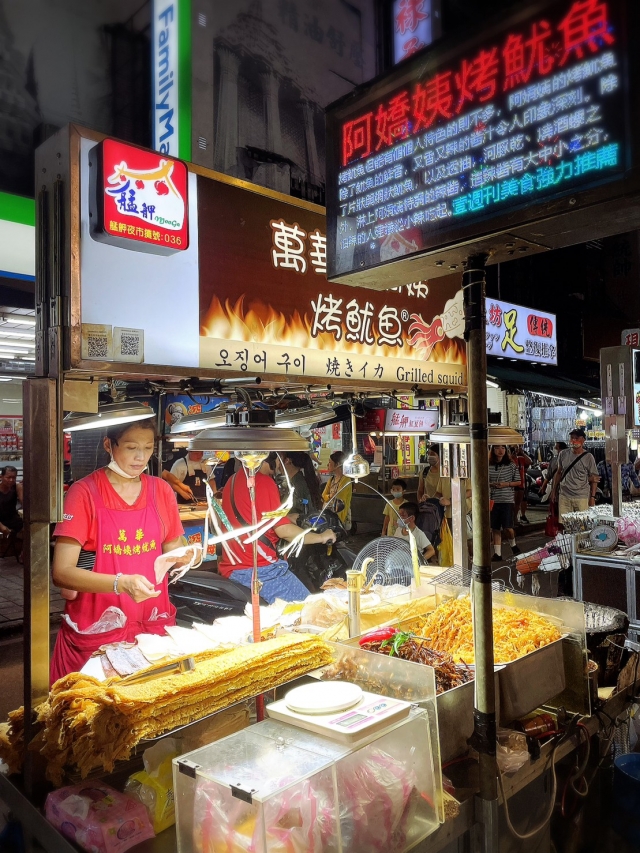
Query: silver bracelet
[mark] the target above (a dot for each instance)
(115, 583)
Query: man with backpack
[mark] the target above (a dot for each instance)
(576, 479)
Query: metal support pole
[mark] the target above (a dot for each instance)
(459, 523)
(616, 488)
(484, 735)
(41, 507)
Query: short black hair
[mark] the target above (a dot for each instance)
(6, 468)
(434, 448)
(399, 482)
(578, 433)
(410, 508)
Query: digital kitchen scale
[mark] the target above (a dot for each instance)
(333, 709)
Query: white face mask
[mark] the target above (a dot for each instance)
(396, 494)
(118, 470)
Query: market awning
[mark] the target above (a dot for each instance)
(539, 382)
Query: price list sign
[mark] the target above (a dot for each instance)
(456, 141)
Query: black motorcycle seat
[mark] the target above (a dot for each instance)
(201, 583)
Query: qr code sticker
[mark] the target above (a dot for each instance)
(128, 344)
(98, 346)
(97, 342)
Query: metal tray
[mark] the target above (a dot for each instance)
(530, 681)
(415, 682)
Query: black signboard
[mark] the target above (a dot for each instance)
(526, 122)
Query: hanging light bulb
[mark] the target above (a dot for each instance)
(355, 466)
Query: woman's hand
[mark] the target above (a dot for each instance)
(137, 587)
(445, 502)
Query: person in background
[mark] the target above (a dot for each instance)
(278, 581)
(576, 479)
(188, 476)
(304, 480)
(339, 487)
(523, 462)
(390, 515)
(548, 475)
(627, 472)
(408, 513)
(116, 522)
(504, 476)
(268, 467)
(11, 522)
(430, 477)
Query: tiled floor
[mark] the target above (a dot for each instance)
(11, 596)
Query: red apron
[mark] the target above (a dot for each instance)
(129, 542)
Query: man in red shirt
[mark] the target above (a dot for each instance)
(276, 578)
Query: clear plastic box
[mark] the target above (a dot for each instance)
(275, 788)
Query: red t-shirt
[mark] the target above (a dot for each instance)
(267, 499)
(79, 514)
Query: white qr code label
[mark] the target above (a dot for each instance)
(97, 342)
(128, 345)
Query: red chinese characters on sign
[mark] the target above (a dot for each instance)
(539, 327)
(144, 198)
(410, 14)
(534, 52)
(585, 25)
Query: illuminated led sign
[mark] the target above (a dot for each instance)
(522, 333)
(536, 110)
(140, 199)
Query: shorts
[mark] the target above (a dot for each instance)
(502, 517)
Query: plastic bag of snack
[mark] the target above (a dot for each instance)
(153, 786)
(98, 818)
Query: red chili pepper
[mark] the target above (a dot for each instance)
(378, 636)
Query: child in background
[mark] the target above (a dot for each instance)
(390, 517)
(408, 512)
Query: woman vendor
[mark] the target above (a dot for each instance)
(116, 522)
(339, 487)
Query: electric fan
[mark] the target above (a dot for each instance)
(386, 561)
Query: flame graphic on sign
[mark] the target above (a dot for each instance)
(261, 323)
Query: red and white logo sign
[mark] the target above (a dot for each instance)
(144, 198)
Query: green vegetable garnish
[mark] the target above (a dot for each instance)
(396, 642)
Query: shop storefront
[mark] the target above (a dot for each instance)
(199, 286)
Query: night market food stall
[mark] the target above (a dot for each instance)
(89, 192)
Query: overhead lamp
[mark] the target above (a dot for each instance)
(240, 438)
(111, 414)
(453, 434)
(201, 420)
(306, 415)
(355, 466)
(22, 319)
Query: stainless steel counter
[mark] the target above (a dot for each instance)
(525, 790)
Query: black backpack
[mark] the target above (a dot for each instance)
(429, 519)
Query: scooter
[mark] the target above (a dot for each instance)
(202, 596)
(316, 564)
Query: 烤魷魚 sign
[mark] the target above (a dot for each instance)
(274, 312)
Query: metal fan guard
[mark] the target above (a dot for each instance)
(392, 562)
